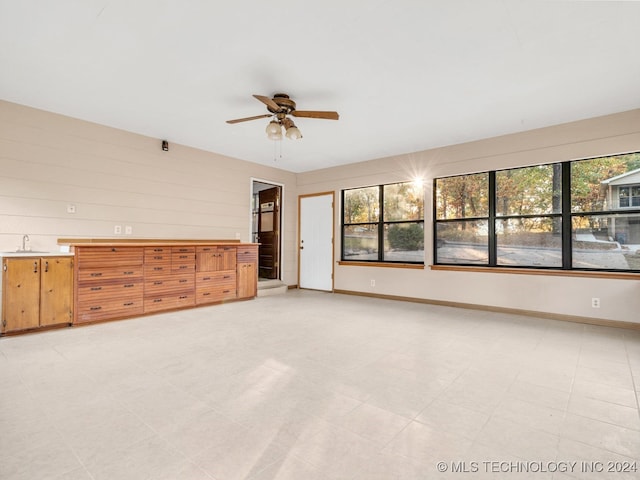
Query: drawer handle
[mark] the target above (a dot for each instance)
(206, 294)
(157, 300)
(127, 273)
(158, 268)
(183, 256)
(128, 304)
(158, 257)
(129, 285)
(227, 276)
(182, 267)
(225, 291)
(95, 308)
(114, 250)
(182, 250)
(206, 278)
(99, 274)
(183, 280)
(158, 283)
(95, 289)
(158, 249)
(182, 297)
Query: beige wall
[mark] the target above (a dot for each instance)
(113, 177)
(620, 299)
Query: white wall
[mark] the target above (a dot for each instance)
(620, 299)
(113, 177)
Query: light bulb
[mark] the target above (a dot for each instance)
(293, 133)
(274, 128)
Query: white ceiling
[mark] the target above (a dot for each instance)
(405, 75)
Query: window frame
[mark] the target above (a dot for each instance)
(380, 228)
(566, 216)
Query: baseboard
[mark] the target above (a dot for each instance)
(488, 308)
(292, 287)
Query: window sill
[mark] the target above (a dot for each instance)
(415, 266)
(535, 271)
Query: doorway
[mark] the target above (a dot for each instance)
(316, 236)
(266, 220)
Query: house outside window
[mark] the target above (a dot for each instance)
(581, 214)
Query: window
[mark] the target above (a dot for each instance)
(582, 214)
(384, 223)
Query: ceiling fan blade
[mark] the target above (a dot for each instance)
(268, 102)
(238, 120)
(316, 114)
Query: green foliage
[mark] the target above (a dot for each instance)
(406, 237)
(463, 196)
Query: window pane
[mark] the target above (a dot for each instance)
(360, 242)
(463, 196)
(529, 191)
(596, 183)
(403, 201)
(462, 242)
(404, 242)
(361, 205)
(606, 241)
(534, 242)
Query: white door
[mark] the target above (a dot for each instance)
(316, 241)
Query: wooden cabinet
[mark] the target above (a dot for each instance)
(169, 278)
(247, 271)
(109, 283)
(124, 281)
(215, 273)
(37, 292)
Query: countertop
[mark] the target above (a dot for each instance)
(35, 253)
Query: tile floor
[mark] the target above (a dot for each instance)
(311, 386)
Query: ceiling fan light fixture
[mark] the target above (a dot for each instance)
(274, 128)
(293, 133)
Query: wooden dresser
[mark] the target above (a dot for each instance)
(121, 280)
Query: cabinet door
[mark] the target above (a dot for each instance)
(56, 280)
(206, 259)
(227, 258)
(247, 280)
(20, 294)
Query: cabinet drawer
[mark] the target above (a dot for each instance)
(176, 250)
(109, 256)
(154, 269)
(169, 283)
(106, 274)
(93, 311)
(150, 251)
(117, 290)
(247, 254)
(168, 302)
(177, 268)
(208, 294)
(156, 257)
(227, 277)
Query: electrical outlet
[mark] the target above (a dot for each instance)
(128, 230)
(373, 283)
(117, 229)
(595, 302)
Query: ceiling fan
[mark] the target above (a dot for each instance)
(281, 106)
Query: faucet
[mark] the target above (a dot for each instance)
(25, 239)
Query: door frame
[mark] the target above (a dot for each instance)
(253, 180)
(333, 231)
